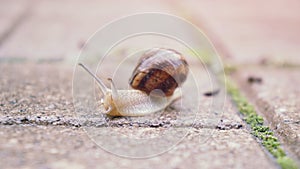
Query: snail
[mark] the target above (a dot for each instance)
(155, 82)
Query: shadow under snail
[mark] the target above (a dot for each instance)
(155, 82)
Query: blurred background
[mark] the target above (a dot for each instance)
(56, 30)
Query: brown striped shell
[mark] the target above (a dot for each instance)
(159, 68)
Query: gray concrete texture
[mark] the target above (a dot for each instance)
(37, 104)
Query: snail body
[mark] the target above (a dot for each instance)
(147, 97)
(135, 103)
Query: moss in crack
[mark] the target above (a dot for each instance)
(256, 122)
(259, 130)
(286, 162)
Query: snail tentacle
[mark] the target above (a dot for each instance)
(115, 94)
(103, 88)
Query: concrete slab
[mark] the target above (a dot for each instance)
(249, 31)
(264, 34)
(59, 29)
(39, 129)
(25, 146)
(12, 14)
(275, 92)
(42, 94)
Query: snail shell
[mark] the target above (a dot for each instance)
(161, 69)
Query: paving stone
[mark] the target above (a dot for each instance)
(58, 30)
(63, 147)
(264, 36)
(276, 94)
(47, 125)
(42, 94)
(12, 13)
(35, 89)
(252, 31)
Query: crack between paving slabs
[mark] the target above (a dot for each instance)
(17, 22)
(77, 122)
(286, 132)
(283, 160)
